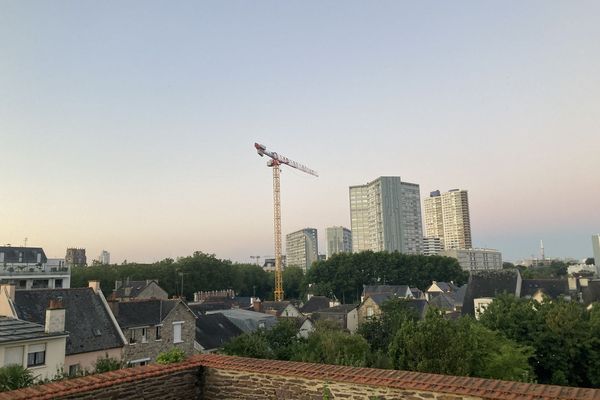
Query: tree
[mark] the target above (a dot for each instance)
(330, 345)
(344, 275)
(253, 345)
(171, 356)
(462, 347)
(283, 339)
(105, 364)
(590, 261)
(292, 282)
(15, 377)
(380, 331)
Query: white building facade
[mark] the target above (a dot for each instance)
(596, 249)
(476, 259)
(432, 246)
(447, 217)
(302, 248)
(386, 216)
(339, 240)
(29, 268)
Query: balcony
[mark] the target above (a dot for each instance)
(18, 269)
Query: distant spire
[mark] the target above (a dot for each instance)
(542, 250)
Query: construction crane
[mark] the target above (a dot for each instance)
(275, 161)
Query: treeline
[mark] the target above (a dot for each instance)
(342, 276)
(200, 272)
(516, 339)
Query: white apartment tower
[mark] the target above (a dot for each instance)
(104, 257)
(339, 240)
(386, 216)
(596, 249)
(302, 248)
(447, 218)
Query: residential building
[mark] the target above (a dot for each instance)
(344, 315)
(400, 291)
(339, 240)
(76, 257)
(484, 286)
(280, 309)
(269, 263)
(432, 246)
(596, 249)
(40, 348)
(93, 331)
(213, 331)
(371, 306)
(104, 257)
(315, 303)
(126, 290)
(447, 218)
(386, 216)
(248, 321)
(29, 268)
(538, 289)
(302, 248)
(475, 259)
(154, 326)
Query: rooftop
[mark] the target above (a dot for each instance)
(14, 330)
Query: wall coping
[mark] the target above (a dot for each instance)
(477, 387)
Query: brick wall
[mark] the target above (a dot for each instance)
(211, 376)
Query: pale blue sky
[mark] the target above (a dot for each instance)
(129, 125)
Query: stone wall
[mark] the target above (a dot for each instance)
(212, 377)
(152, 347)
(225, 384)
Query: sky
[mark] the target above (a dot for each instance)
(129, 125)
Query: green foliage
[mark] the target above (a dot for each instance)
(15, 377)
(461, 347)
(328, 345)
(200, 272)
(283, 339)
(253, 345)
(565, 337)
(344, 274)
(171, 356)
(557, 269)
(590, 261)
(106, 363)
(292, 282)
(380, 331)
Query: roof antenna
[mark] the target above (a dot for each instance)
(25, 242)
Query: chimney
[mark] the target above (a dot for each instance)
(95, 286)
(257, 305)
(9, 290)
(55, 317)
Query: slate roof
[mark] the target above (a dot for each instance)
(489, 284)
(246, 320)
(591, 293)
(203, 308)
(214, 330)
(315, 303)
(135, 287)
(11, 254)
(443, 301)
(132, 314)
(86, 318)
(445, 286)
(14, 330)
(419, 305)
(341, 309)
(399, 290)
(277, 306)
(550, 287)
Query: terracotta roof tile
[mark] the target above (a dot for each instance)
(477, 387)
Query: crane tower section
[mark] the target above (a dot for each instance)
(275, 161)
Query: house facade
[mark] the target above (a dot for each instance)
(152, 327)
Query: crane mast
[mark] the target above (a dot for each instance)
(275, 161)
